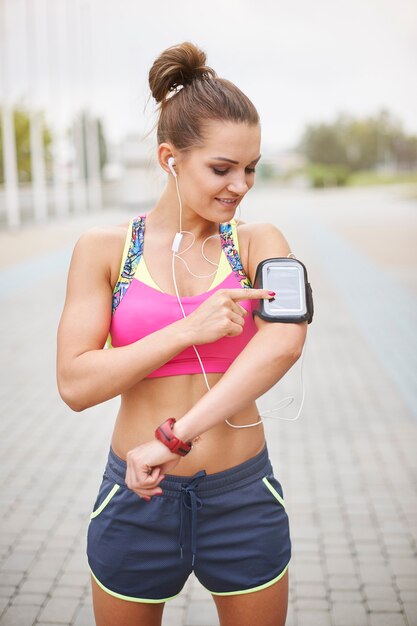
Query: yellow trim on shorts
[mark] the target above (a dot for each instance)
(129, 598)
(253, 589)
(273, 491)
(105, 501)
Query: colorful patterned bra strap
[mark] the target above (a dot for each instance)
(135, 250)
(232, 255)
(131, 262)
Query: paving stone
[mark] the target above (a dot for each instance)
(59, 610)
(313, 618)
(71, 579)
(410, 609)
(308, 573)
(10, 578)
(27, 546)
(310, 590)
(375, 574)
(291, 619)
(348, 614)
(58, 624)
(35, 599)
(7, 590)
(76, 563)
(36, 585)
(201, 613)
(369, 551)
(173, 616)
(85, 616)
(404, 566)
(44, 569)
(408, 596)
(61, 591)
(343, 582)
(3, 603)
(345, 595)
(383, 592)
(18, 561)
(340, 566)
(198, 592)
(19, 616)
(180, 601)
(406, 582)
(312, 604)
(387, 619)
(379, 606)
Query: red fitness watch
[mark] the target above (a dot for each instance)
(164, 434)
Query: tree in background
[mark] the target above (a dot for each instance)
(102, 144)
(21, 119)
(350, 145)
(22, 135)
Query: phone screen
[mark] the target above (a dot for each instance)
(287, 282)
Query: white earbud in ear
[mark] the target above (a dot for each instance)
(171, 162)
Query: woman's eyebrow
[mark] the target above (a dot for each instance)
(219, 158)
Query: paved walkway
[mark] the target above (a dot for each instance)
(347, 465)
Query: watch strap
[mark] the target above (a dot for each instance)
(164, 434)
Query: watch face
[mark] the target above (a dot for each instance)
(164, 434)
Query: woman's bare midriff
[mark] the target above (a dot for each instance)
(152, 400)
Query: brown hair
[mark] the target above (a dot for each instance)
(190, 93)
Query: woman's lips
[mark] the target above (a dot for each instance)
(228, 202)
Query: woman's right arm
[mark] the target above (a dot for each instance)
(86, 374)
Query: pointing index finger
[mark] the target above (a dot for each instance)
(250, 294)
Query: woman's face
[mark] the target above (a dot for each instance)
(214, 178)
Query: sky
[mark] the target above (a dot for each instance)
(300, 62)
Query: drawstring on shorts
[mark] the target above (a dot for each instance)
(190, 501)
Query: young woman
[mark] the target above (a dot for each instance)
(188, 484)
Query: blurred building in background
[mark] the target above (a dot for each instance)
(54, 156)
(57, 158)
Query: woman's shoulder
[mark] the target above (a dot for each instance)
(104, 234)
(103, 245)
(260, 233)
(259, 241)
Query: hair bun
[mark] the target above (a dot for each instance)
(177, 65)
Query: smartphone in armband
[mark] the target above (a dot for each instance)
(293, 302)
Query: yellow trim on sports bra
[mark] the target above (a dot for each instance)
(122, 263)
(142, 273)
(125, 248)
(234, 234)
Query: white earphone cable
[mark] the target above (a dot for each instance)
(175, 253)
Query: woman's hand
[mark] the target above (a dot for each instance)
(146, 466)
(221, 315)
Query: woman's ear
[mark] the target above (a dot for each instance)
(165, 153)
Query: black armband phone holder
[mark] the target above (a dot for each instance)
(293, 302)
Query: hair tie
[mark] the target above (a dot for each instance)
(173, 92)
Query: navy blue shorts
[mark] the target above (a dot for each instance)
(231, 528)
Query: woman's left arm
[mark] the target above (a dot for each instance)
(267, 357)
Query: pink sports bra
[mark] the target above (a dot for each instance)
(140, 307)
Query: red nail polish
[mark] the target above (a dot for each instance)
(271, 293)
